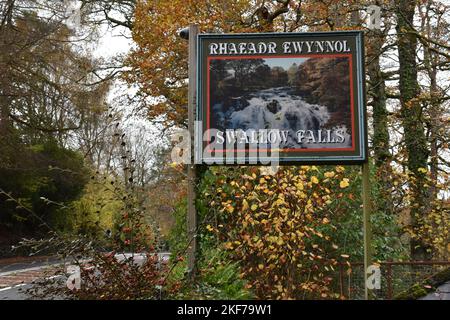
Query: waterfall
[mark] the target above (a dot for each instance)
(276, 108)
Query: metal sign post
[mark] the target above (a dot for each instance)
(367, 210)
(191, 171)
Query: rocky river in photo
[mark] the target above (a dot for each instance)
(279, 108)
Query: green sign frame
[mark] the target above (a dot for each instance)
(304, 91)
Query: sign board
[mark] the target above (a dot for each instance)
(295, 96)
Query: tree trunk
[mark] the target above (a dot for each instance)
(430, 62)
(377, 91)
(414, 133)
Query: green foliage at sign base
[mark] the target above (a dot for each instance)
(218, 276)
(217, 279)
(177, 239)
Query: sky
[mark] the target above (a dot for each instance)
(285, 63)
(113, 42)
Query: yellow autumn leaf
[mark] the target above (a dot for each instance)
(422, 170)
(344, 183)
(230, 209)
(254, 207)
(228, 245)
(244, 205)
(260, 266)
(314, 180)
(209, 228)
(329, 174)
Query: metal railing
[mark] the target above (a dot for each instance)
(395, 277)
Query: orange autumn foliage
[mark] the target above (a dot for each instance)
(158, 64)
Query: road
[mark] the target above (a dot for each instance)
(15, 292)
(19, 278)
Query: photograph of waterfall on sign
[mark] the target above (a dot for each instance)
(309, 99)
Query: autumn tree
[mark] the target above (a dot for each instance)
(411, 113)
(52, 101)
(112, 12)
(159, 63)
